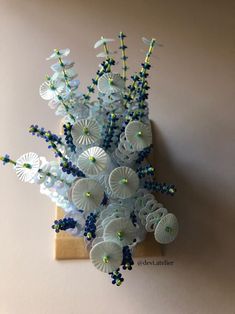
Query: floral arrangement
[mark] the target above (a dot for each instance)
(101, 177)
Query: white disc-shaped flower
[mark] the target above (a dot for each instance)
(121, 231)
(167, 229)
(49, 90)
(87, 194)
(123, 182)
(138, 134)
(110, 83)
(58, 67)
(102, 41)
(93, 161)
(85, 132)
(106, 256)
(59, 53)
(27, 166)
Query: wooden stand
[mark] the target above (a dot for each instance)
(69, 247)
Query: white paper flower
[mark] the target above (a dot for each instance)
(70, 73)
(167, 229)
(49, 90)
(59, 53)
(58, 67)
(106, 256)
(153, 218)
(121, 231)
(138, 134)
(102, 41)
(93, 161)
(85, 132)
(110, 83)
(27, 166)
(123, 182)
(87, 194)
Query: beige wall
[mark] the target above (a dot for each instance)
(191, 103)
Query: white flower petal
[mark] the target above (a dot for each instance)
(121, 231)
(101, 41)
(123, 182)
(93, 161)
(139, 135)
(27, 166)
(167, 229)
(85, 132)
(106, 256)
(87, 194)
(111, 83)
(59, 53)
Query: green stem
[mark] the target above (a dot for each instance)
(2, 158)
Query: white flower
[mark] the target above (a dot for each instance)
(106, 256)
(110, 83)
(120, 230)
(27, 166)
(49, 89)
(167, 229)
(59, 53)
(138, 134)
(85, 132)
(93, 161)
(87, 194)
(123, 182)
(102, 41)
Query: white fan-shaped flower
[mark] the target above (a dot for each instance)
(111, 83)
(123, 182)
(27, 166)
(138, 134)
(85, 132)
(120, 230)
(87, 194)
(70, 73)
(102, 41)
(49, 90)
(58, 67)
(106, 256)
(93, 161)
(167, 229)
(59, 53)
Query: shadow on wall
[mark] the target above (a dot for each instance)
(206, 221)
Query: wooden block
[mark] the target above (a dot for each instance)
(69, 247)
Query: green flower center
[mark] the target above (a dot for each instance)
(92, 158)
(106, 259)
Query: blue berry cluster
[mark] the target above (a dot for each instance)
(127, 261)
(70, 168)
(143, 171)
(160, 187)
(109, 130)
(105, 68)
(5, 159)
(133, 218)
(117, 278)
(46, 135)
(143, 154)
(90, 227)
(64, 224)
(68, 137)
